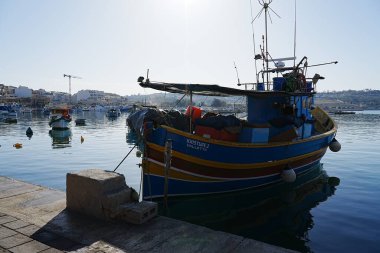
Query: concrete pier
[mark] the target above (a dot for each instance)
(35, 219)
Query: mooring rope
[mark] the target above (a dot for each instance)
(125, 157)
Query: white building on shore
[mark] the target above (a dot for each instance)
(23, 92)
(90, 95)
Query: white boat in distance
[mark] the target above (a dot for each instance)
(8, 114)
(59, 118)
(97, 108)
(4, 110)
(26, 110)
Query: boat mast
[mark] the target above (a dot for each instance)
(266, 5)
(191, 111)
(264, 50)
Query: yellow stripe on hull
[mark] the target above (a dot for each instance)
(209, 163)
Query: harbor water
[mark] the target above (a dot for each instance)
(334, 208)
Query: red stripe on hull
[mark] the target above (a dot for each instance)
(209, 171)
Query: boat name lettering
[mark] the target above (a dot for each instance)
(194, 144)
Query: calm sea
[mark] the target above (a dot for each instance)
(312, 215)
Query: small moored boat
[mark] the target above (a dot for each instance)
(59, 118)
(113, 113)
(344, 112)
(80, 122)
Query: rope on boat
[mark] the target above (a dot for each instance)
(130, 151)
(166, 115)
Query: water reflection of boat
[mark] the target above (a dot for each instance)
(60, 137)
(279, 214)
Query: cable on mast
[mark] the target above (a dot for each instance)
(295, 32)
(253, 40)
(266, 8)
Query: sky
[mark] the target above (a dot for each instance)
(110, 43)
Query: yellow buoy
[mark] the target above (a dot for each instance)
(81, 139)
(17, 145)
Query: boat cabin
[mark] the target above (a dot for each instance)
(62, 111)
(277, 112)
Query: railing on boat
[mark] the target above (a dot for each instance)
(277, 86)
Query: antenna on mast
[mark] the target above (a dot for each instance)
(254, 43)
(295, 32)
(237, 75)
(265, 4)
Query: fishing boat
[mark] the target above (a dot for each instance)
(195, 153)
(11, 117)
(59, 118)
(343, 112)
(4, 110)
(113, 113)
(80, 122)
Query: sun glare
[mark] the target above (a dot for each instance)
(190, 2)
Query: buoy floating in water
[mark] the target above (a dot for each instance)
(17, 145)
(29, 131)
(335, 145)
(81, 139)
(288, 175)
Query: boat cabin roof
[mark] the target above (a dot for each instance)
(60, 110)
(216, 90)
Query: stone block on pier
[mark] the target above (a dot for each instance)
(96, 192)
(138, 213)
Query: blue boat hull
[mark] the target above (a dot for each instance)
(154, 185)
(206, 166)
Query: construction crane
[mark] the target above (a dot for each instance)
(71, 76)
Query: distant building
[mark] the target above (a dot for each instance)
(23, 92)
(60, 97)
(90, 95)
(9, 91)
(41, 98)
(2, 90)
(111, 98)
(41, 92)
